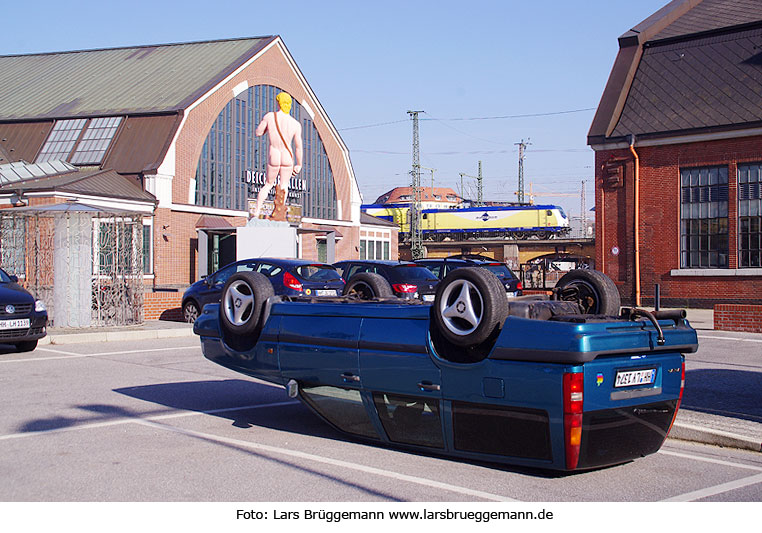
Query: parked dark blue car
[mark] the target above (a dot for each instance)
(288, 277)
(532, 380)
(444, 265)
(23, 320)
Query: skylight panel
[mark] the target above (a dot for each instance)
(61, 140)
(96, 140)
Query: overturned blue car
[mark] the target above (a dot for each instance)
(564, 381)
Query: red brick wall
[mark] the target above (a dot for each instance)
(659, 224)
(736, 317)
(162, 305)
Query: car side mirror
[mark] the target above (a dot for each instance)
(14, 278)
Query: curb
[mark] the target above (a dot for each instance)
(689, 432)
(107, 336)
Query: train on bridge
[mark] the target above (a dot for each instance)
(482, 222)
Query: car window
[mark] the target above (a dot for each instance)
(449, 267)
(435, 269)
(318, 273)
(356, 269)
(501, 271)
(221, 277)
(4, 278)
(245, 267)
(342, 407)
(269, 270)
(414, 272)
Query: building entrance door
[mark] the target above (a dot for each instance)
(221, 251)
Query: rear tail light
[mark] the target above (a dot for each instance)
(404, 287)
(519, 286)
(573, 398)
(679, 398)
(291, 282)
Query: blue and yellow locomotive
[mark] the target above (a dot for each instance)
(485, 222)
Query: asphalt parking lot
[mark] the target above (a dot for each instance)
(152, 420)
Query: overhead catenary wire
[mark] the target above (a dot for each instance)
(455, 119)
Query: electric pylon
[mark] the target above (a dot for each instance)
(416, 237)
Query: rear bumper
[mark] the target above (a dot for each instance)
(614, 436)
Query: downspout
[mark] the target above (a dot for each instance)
(637, 220)
(602, 224)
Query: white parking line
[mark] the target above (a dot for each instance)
(74, 355)
(710, 460)
(333, 462)
(728, 338)
(717, 489)
(152, 422)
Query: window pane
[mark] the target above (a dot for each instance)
(704, 207)
(341, 407)
(410, 419)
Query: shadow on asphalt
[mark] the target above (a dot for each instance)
(224, 399)
(731, 393)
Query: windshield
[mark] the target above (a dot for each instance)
(318, 273)
(501, 271)
(4, 278)
(414, 272)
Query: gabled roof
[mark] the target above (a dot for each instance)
(118, 81)
(692, 67)
(370, 220)
(427, 193)
(85, 182)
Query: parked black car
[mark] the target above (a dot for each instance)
(23, 320)
(365, 278)
(289, 277)
(443, 266)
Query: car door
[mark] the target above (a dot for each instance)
(211, 289)
(401, 378)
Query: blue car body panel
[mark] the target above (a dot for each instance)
(384, 358)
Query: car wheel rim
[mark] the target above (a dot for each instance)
(239, 302)
(461, 307)
(191, 313)
(362, 291)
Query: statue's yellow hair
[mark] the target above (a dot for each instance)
(283, 98)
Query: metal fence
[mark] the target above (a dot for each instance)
(85, 263)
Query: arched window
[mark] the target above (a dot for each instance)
(233, 160)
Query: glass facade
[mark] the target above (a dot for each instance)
(704, 217)
(233, 160)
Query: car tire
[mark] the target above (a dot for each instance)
(26, 346)
(594, 291)
(367, 285)
(190, 311)
(469, 306)
(243, 299)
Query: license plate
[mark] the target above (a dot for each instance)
(326, 292)
(18, 323)
(635, 377)
(510, 294)
(428, 297)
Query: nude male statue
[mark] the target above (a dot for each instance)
(283, 130)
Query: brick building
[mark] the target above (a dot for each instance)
(678, 155)
(175, 125)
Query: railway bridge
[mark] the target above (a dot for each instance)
(522, 256)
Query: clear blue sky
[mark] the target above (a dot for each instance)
(370, 62)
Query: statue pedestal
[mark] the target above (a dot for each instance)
(266, 238)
